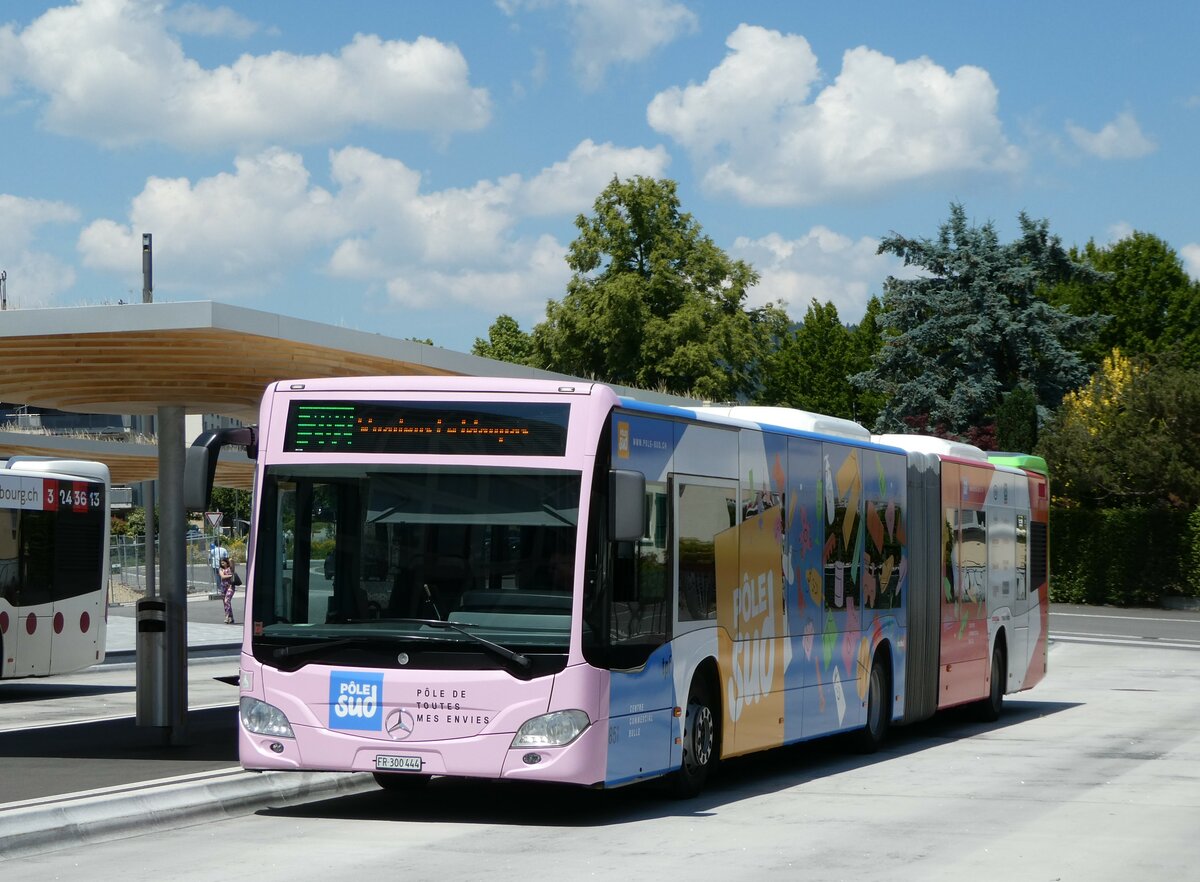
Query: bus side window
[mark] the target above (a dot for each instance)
(704, 512)
(37, 553)
(640, 576)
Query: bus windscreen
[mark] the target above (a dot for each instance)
(427, 427)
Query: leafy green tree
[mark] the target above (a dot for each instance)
(973, 325)
(809, 369)
(1017, 421)
(1141, 283)
(654, 303)
(506, 342)
(866, 339)
(1130, 437)
(231, 503)
(135, 522)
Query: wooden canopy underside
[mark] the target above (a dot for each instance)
(202, 370)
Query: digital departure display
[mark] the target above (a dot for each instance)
(455, 428)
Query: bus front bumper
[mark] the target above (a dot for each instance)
(487, 756)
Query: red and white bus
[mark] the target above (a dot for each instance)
(54, 536)
(546, 581)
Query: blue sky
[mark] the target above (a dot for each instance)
(415, 168)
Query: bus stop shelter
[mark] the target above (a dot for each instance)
(167, 360)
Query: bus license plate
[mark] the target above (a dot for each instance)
(398, 763)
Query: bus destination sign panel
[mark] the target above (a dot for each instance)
(427, 427)
(50, 494)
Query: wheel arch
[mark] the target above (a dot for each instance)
(885, 654)
(1000, 642)
(708, 672)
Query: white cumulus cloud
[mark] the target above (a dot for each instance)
(519, 283)
(757, 135)
(112, 71)
(608, 32)
(570, 186)
(1120, 139)
(821, 264)
(605, 33)
(1190, 254)
(205, 21)
(33, 278)
(11, 55)
(230, 233)
(240, 233)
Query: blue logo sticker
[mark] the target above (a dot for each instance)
(355, 700)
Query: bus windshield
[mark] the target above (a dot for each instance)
(373, 556)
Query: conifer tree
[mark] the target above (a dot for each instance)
(974, 324)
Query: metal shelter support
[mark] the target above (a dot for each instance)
(174, 565)
(162, 699)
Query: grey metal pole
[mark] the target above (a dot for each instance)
(153, 693)
(173, 568)
(147, 268)
(151, 536)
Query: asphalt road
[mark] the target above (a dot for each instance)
(1092, 775)
(76, 733)
(1128, 627)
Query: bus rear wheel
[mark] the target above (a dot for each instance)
(699, 741)
(879, 709)
(990, 707)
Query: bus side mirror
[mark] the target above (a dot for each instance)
(626, 505)
(197, 482)
(200, 464)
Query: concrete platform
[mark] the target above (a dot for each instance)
(75, 768)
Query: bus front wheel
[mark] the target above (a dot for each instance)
(699, 741)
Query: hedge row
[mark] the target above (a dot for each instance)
(1123, 557)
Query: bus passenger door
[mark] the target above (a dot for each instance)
(641, 692)
(1019, 649)
(33, 630)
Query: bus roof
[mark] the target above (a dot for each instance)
(780, 419)
(1026, 461)
(85, 469)
(932, 444)
(791, 418)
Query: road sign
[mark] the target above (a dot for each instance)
(213, 518)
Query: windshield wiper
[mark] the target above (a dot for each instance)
(502, 651)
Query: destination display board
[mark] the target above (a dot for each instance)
(50, 494)
(408, 427)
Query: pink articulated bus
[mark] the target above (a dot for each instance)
(54, 534)
(546, 581)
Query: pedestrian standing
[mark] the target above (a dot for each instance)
(229, 580)
(215, 553)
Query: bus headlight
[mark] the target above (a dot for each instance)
(264, 719)
(552, 730)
